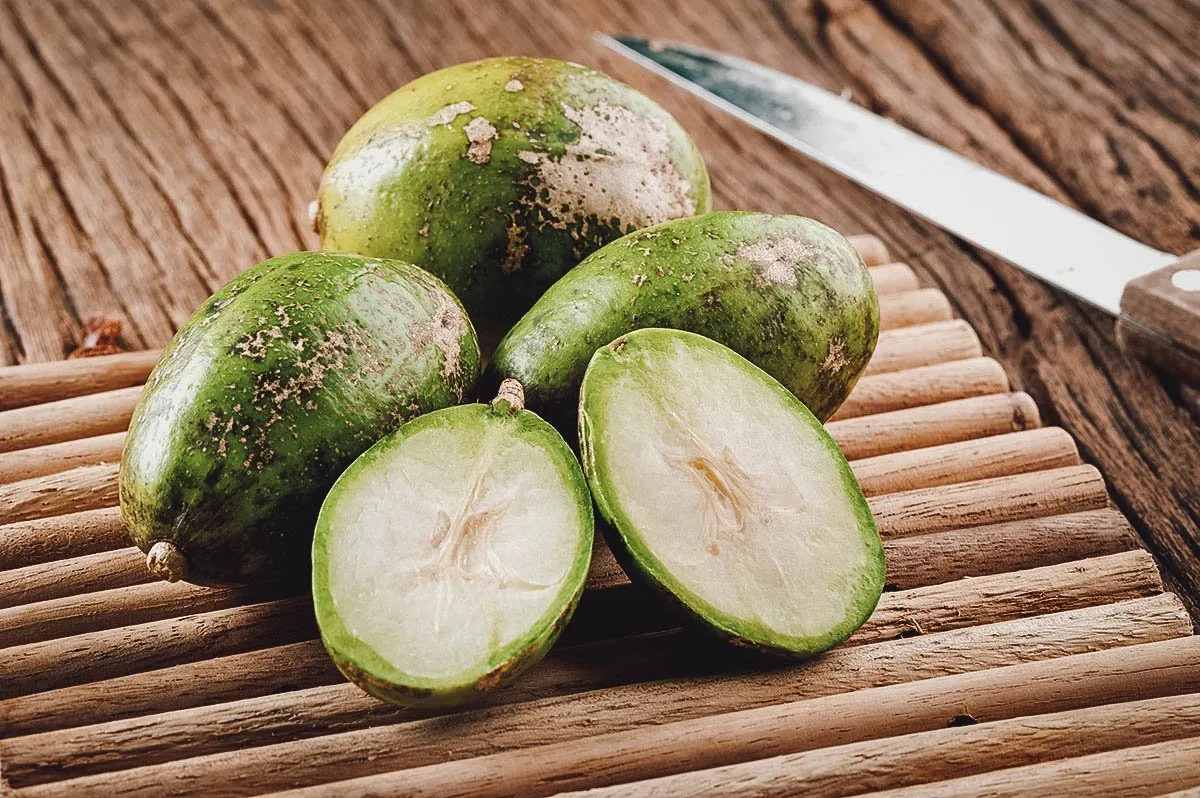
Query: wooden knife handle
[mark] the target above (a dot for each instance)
(1160, 318)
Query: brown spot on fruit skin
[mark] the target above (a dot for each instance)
(480, 134)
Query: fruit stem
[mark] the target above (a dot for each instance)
(166, 561)
(510, 398)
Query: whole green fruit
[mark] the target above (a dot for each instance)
(500, 175)
(267, 393)
(787, 293)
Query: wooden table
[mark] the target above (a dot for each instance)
(149, 151)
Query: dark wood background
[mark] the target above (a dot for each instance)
(149, 151)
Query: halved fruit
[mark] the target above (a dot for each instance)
(726, 493)
(450, 555)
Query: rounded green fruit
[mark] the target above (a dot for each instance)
(500, 175)
(788, 293)
(267, 393)
(449, 556)
(726, 494)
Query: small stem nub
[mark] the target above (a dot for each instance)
(510, 398)
(166, 561)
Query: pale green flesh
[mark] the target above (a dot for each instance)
(447, 550)
(727, 495)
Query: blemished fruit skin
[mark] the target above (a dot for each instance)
(787, 293)
(644, 568)
(268, 392)
(499, 175)
(360, 663)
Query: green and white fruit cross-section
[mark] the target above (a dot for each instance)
(727, 494)
(450, 555)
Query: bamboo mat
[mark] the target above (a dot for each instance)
(1025, 644)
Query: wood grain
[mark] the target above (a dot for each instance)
(151, 151)
(59, 537)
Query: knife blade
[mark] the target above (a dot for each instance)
(1154, 294)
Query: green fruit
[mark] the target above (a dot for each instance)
(787, 293)
(449, 557)
(726, 494)
(500, 175)
(267, 393)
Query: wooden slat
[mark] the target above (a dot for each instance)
(544, 751)
(87, 488)
(894, 278)
(964, 461)
(933, 425)
(922, 306)
(35, 383)
(989, 501)
(44, 540)
(56, 457)
(923, 385)
(923, 345)
(1145, 770)
(335, 708)
(67, 419)
(932, 756)
(93, 656)
(76, 576)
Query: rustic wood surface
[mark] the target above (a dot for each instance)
(150, 150)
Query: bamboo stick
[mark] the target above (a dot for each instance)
(59, 537)
(995, 456)
(86, 488)
(107, 609)
(90, 573)
(170, 736)
(1145, 770)
(933, 425)
(67, 419)
(93, 656)
(56, 457)
(931, 756)
(35, 383)
(1011, 546)
(924, 385)
(923, 345)
(548, 746)
(922, 306)
(894, 278)
(970, 552)
(870, 248)
(990, 501)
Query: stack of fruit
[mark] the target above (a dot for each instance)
(309, 422)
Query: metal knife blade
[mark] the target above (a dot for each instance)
(1042, 236)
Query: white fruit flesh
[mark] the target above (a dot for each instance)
(739, 500)
(450, 547)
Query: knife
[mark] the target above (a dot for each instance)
(1154, 295)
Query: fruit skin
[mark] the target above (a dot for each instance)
(499, 175)
(269, 391)
(359, 663)
(787, 293)
(643, 567)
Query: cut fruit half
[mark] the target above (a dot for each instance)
(450, 555)
(726, 493)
